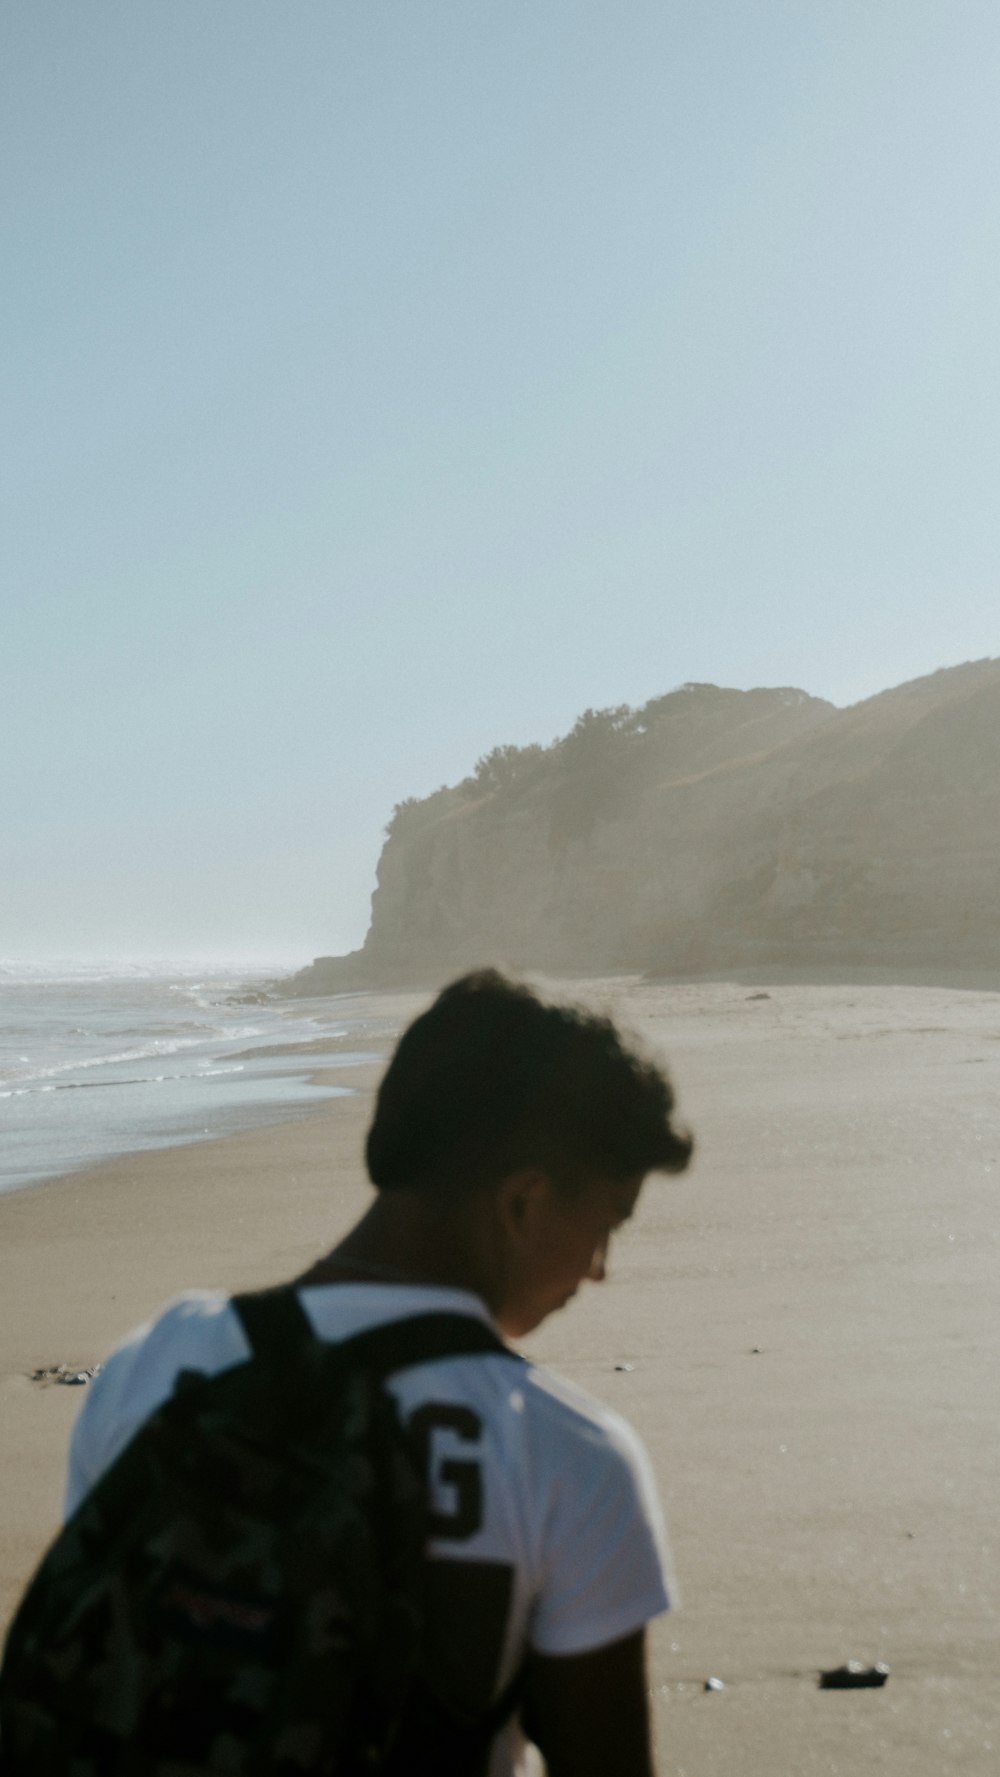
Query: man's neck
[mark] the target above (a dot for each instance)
(408, 1237)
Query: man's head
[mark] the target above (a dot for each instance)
(491, 1079)
(539, 1110)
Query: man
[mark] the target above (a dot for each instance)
(511, 1138)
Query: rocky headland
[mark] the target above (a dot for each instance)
(711, 831)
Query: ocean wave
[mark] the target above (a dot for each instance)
(199, 1073)
(165, 1046)
(65, 974)
(166, 1038)
(184, 976)
(151, 1052)
(189, 1037)
(148, 1028)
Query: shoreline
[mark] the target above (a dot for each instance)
(810, 1319)
(182, 1092)
(830, 972)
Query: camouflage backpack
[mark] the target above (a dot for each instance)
(240, 1593)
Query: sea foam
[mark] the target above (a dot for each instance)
(67, 1029)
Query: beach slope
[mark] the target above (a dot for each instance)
(804, 1329)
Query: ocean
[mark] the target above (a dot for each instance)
(98, 1060)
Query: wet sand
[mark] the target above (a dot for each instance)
(812, 1317)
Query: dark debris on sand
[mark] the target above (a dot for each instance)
(854, 1677)
(67, 1374)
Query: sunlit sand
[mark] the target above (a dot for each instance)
(811, 1327)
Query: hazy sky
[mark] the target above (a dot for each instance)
(387, 379)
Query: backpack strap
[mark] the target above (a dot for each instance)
(275, 1322)
(509, 1700)
(421, 1339)
(278, 1327)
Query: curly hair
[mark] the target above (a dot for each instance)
(492, 1078)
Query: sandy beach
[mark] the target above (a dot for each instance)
(810, 1318)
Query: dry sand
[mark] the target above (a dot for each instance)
(812, 1319)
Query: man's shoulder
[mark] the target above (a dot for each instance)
(197, 1324)
(578, 1422)
(197, 1330)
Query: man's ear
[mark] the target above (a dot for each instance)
(520, 1196)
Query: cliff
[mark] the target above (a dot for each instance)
(712, 829)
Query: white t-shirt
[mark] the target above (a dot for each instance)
(554, 1538)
